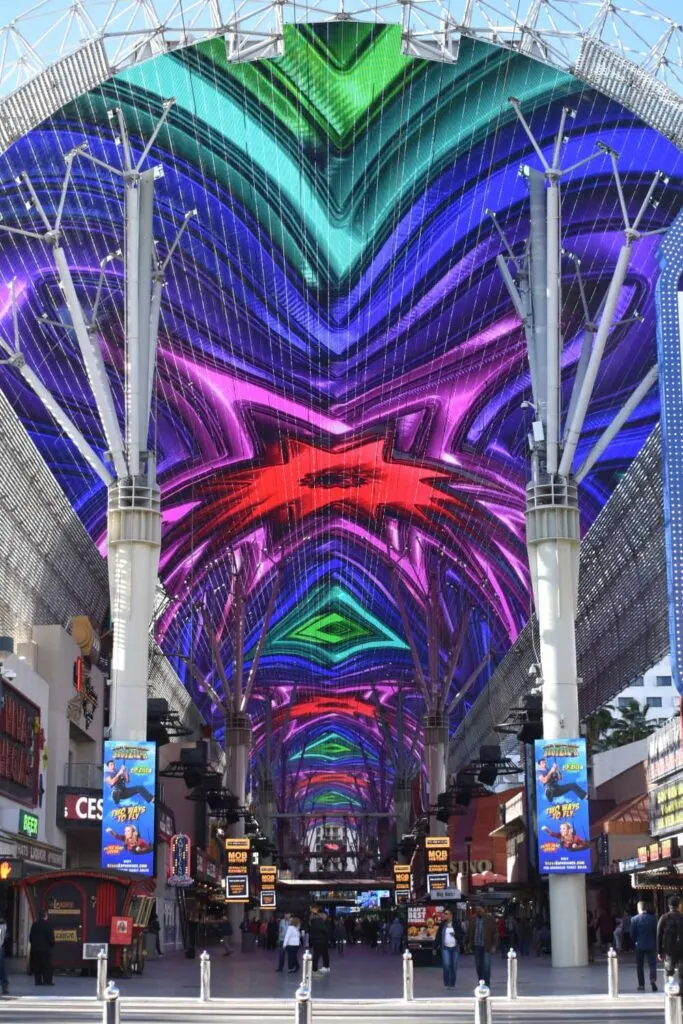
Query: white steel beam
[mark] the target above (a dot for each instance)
(611, 431)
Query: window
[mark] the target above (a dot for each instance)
(663, 680)
(654, 702)
(638, 681)
(624, 702)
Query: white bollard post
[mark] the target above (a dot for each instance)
(204, 978)
(303, 1008)
(408, 977)
(612, 974)
(482, 1004)
(307, 970)
(101, 975)
(673, 1013)
(111, 1011)
(512, 974)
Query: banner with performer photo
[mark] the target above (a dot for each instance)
(128, 822)
(562, 807)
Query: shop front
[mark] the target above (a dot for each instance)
(20, 857)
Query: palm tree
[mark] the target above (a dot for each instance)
(632, 725)
(598, 727)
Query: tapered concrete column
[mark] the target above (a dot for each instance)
(237, 750)
(134, 522)
(436, 750)
(553, 541)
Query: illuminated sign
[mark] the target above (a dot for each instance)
(654, 852)
(402, 878)
(180, 851)
(28, 824)
(10, 869)
(642, 854)
(237, 881)
(78, 807)
(20, 741)
(401, 899)
(437, 883)
(438, 849)
(664, 751)
(128, 822)
(666, 807)
(267, 900)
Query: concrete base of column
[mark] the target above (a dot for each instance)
(569, 937)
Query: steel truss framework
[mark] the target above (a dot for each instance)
(621, 626)
(55, 51)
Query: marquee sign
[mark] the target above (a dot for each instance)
(666, 808)
(179, 861)
(402, 884)
(267, 896)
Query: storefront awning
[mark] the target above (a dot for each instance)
(629, 818)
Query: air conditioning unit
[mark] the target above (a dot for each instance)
(28, 652)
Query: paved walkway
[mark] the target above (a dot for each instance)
(360, 973)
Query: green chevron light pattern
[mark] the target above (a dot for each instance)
(330, 627)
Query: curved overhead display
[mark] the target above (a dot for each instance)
(342, 388)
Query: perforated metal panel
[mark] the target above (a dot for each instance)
(622, 624)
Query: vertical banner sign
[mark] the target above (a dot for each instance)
(128, 826)
(562, 807)
(669, 297)
(438, 849)
(268, 897)
(237, 880)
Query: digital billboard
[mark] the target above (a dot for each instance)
(128, 825)
(562, 807)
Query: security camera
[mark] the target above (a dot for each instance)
(9, 675)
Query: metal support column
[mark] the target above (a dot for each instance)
(553, 541)
(435, 752)
(237, 748)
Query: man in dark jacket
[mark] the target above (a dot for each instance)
(644, 937)
(42, 940)
(319, 937)
(482, 938)
(670, 937)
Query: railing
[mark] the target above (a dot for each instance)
(83, 775)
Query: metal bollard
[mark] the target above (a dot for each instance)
(101, 975)
(204, 978)
(612, 974)
(482, 1004)
(111, 1011)
(307, 970)
(672, 1002)
(408, 976)
(512, 974)
(303, 1009)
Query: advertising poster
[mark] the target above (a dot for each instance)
(237, 880)
(128, 807)
(562, 807)
(423, 924)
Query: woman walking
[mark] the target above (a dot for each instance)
(292, 943)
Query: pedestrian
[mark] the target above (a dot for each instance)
(396, 935)
(644, 938)
(281, 933)
(626, 930)
(447, 944)
(339, 935)
(3, 966)
(670, 937)
(226, 936)
(606, 928)
(271, 939)
(524, 933)
(292, 942)
(618, 934)
(481, 937)
(42, 939)
(320, 941)
(154, 928)
(591, 936)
